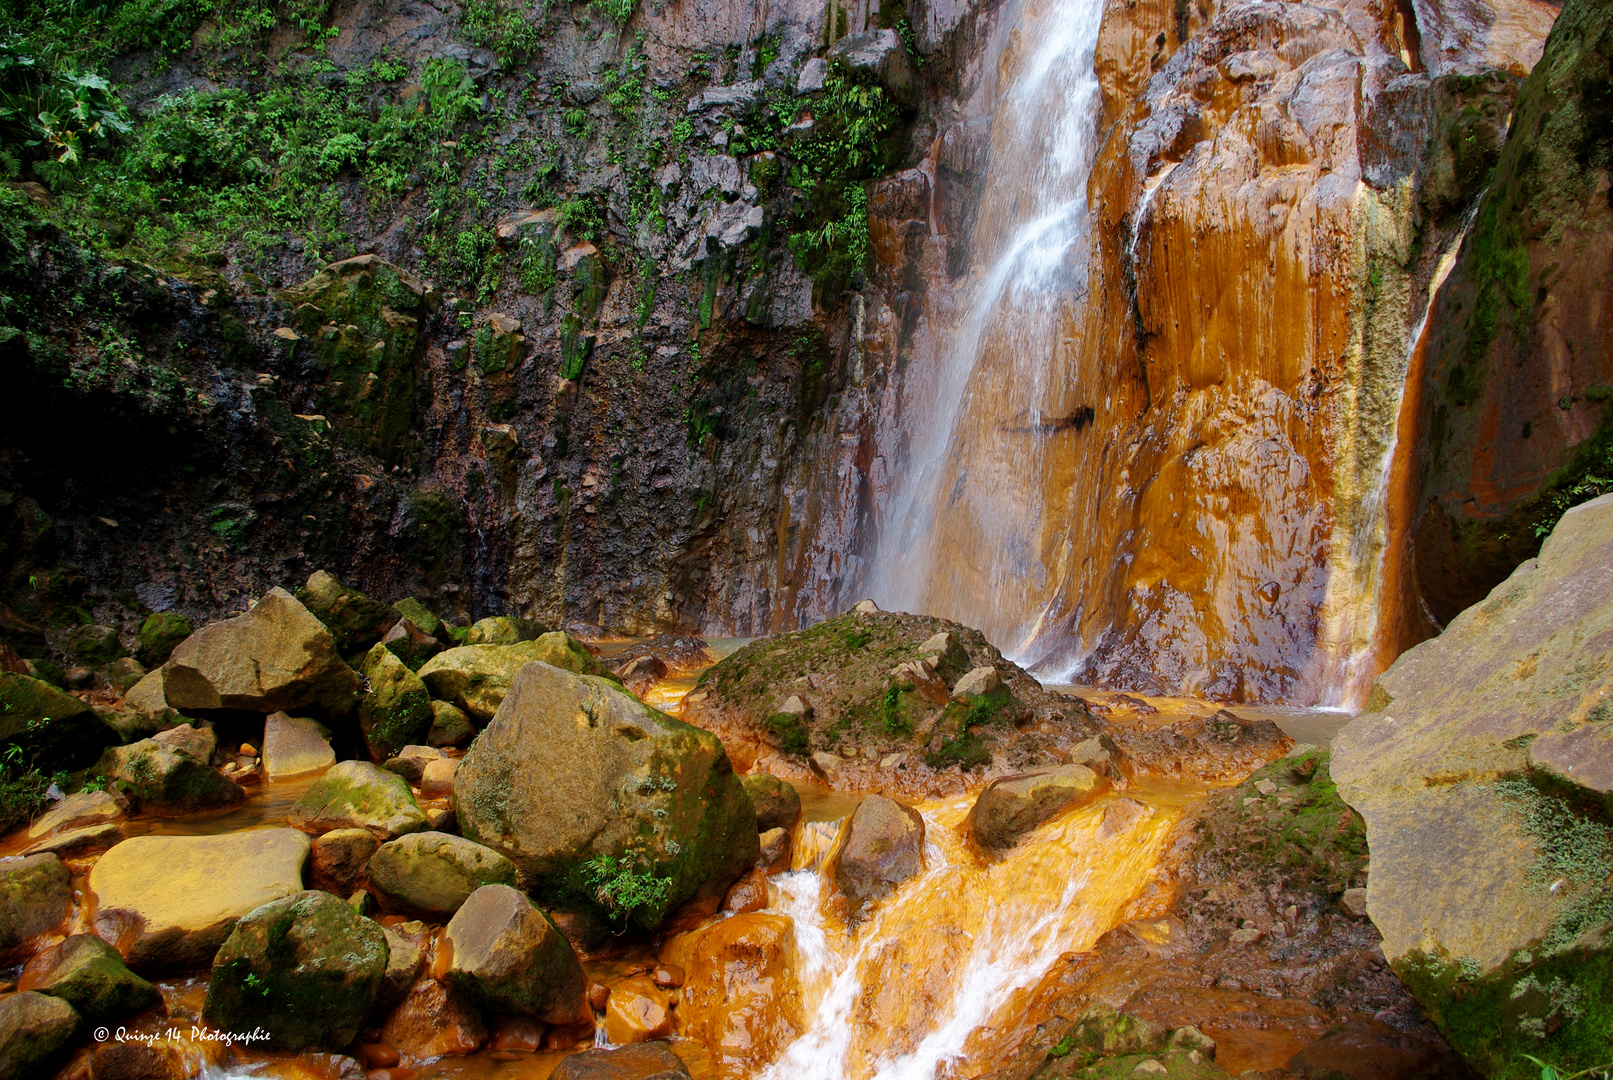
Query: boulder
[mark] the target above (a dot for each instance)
(340, 858)
(589, 791)
(410, 644)
(437, 779)
(198, 742)
(403, 956)
(411, 762)
(641, 1061)
(120, 675)
(53, 730)
(77, 811)
(164, 780)
(276, 657)
(394, 709)
(736, 998)
(977, 682)
(148, 702)
(305, 968)
(294, 745)
(358, 795)
(89, 975)
(880, 846)
(1014, 805)
(434, 1021)
(504, 630)
(449, 726)
(508, 956)
(353, 619)
(1483, 769)
(159, 635)
(881, 53)
(423, 618)
(170, 901)
(35, 1033)
(778, 805)
(35, 897)
(637, 1011)
(476, 677)
(93, 646)
(430, 874)
(77, 843)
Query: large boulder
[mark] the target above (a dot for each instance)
(476, 677)
(35, 896)
(508, 956)
(278, 657)
(166, 780)
(170, 901)
(1484, 770)
(51, 729)
(35, 1032)
(504, 630)
(89, 975)
(880, 846)
(305, 968)
(353, 619)
(1014, 805)
(294, 746)
(602, 800)
(358, 795)
(430, 874)
(395, 708)
(778, 805)
(160, 634)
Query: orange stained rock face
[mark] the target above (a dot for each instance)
(741, 997)
(637, 1011)
(433, 1022)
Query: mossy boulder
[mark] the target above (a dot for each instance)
(166, 780)
(424, 618)
(93, 646)
(89, 975)
(602, 801)
(159, 634)
(1012, 806)
(1484, 771)
(35, 896)
(353, 619)
(410, 644)
(358, 795)
(278, 657)
(476, 677)
(504, 630)
(511, 959)
(430, 874)
(395, 708)
(53, 729)
(450, 726)
(359, 322)
(36, 1031)
(778, 805)
(305, 968)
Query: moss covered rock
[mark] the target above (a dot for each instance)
(395, 708)
(354, 620)
(476, 677)
(411, 644)
(424, 618)
(89, 975)
(778, 805)
(36, 1031)
(359, 795)
(450, 726)
(93, 646)
(509, 957)
(602, 801)
(430, 874)
(504, 630)
(53, 730)
(305, 968)
(159, 634)
(165, 779)
(34, 897)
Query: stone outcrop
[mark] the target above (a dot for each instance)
(430, 874)
(585, 788)
(276, 657)
(358, 795)
(511, 958)
(1011, 807)
(305, 968)
(1483, 770)
(476, 677)
(168, 902)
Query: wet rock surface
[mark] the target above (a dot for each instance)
(508, 956)
(1013, 806)
(34, 898)
(880, 846)
(359, 795)
(89, 975)
(431, 874)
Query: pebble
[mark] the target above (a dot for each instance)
(668, 976)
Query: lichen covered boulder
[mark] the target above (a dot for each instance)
(476, 677)
(34, 898)
(278, 657)
(395, 709)
(354, 620)
(305, 968)
(430, 874)
(166, 780)
(602, 801)
(51, 729)
(358, 795)
(89, 975)
(1014, 805)
(778, 805)
(1484, 768)
(509, 957)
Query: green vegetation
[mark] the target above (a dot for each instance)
(967, 751)
(791, 731)
(625, 892)
(22, 789)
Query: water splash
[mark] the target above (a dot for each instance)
(968, 472)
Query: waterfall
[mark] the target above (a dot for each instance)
(957, 533)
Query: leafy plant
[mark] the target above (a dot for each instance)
(55, 117)
(624, 891)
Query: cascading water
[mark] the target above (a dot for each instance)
(959, 530)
